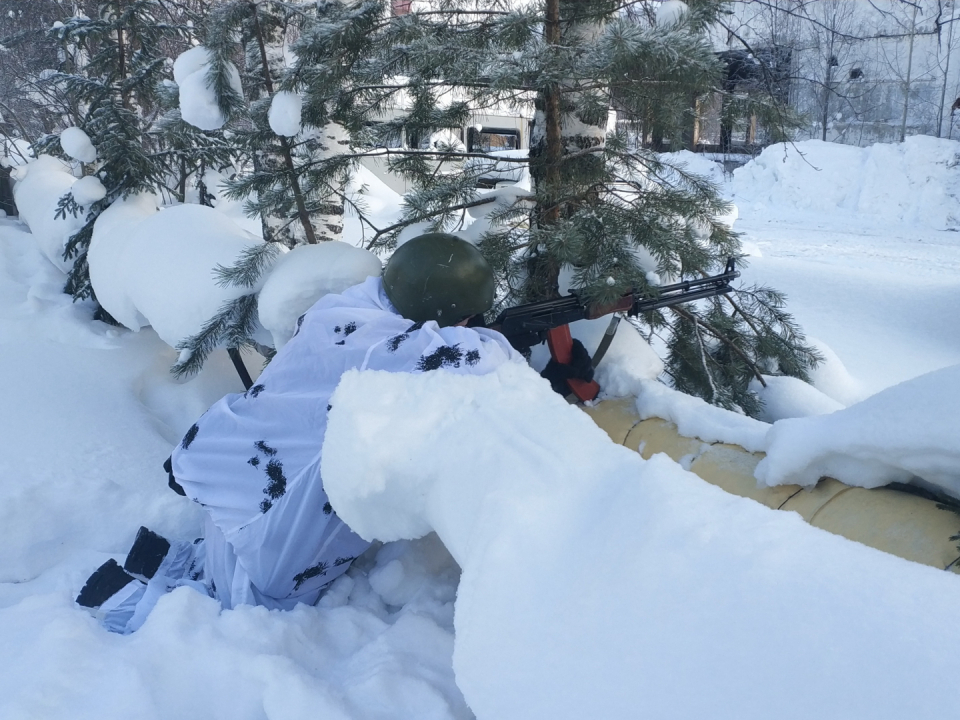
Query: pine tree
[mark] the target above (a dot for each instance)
(294, 183)
(115, 64)
(296, 204)
(601, 205)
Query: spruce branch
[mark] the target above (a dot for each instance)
(250, 266)
(232, 326)
(696, 322)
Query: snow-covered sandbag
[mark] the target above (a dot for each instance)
(39, 186)
(598, 585)
(305, 274)
(910, 429)
(697, 418)
(198, 102)
(156, 268)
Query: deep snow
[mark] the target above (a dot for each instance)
(597, 584)
(594, 583)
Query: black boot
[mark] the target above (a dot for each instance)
(148, 551)
(108, 579)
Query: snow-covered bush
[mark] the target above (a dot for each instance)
(597, 202)
(39, 186)
(156, 267)
(115, 89)
(301, 276)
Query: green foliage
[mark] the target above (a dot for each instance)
(231, 327)
(114, 78)
(600, 204)
(249, 266)
(717, 347)
(236, 320)
(291, 183)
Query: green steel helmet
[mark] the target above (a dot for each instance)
(439, 277)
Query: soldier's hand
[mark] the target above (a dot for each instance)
(580, 367)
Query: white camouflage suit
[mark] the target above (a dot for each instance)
(253, 460)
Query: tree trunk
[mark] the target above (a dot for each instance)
(557, 132)
(946, 75)
(906, 84)
(272, 230)
(327, 218)
(828, 81)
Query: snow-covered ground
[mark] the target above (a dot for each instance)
(594, 584)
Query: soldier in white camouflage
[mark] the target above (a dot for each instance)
(252, 461)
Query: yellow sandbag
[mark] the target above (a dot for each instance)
(896, 522)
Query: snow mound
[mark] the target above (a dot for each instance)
(695, 163)
(198, 102)
(915, 182)
(787, 397)
(697, 418)
(76, 143)
(303, 275)
(39, 186)
(216, 196)
(285, 111)
(621, 581)
(908, 430)
(87, 190)
(370, 194)
(832, 378)
(157, 268)
(689, 163)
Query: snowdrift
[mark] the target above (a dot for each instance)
(598, 584)
(908, 431)
(915, 182)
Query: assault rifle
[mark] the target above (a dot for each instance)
(528, 325)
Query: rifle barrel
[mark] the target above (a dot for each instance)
(526, 325)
